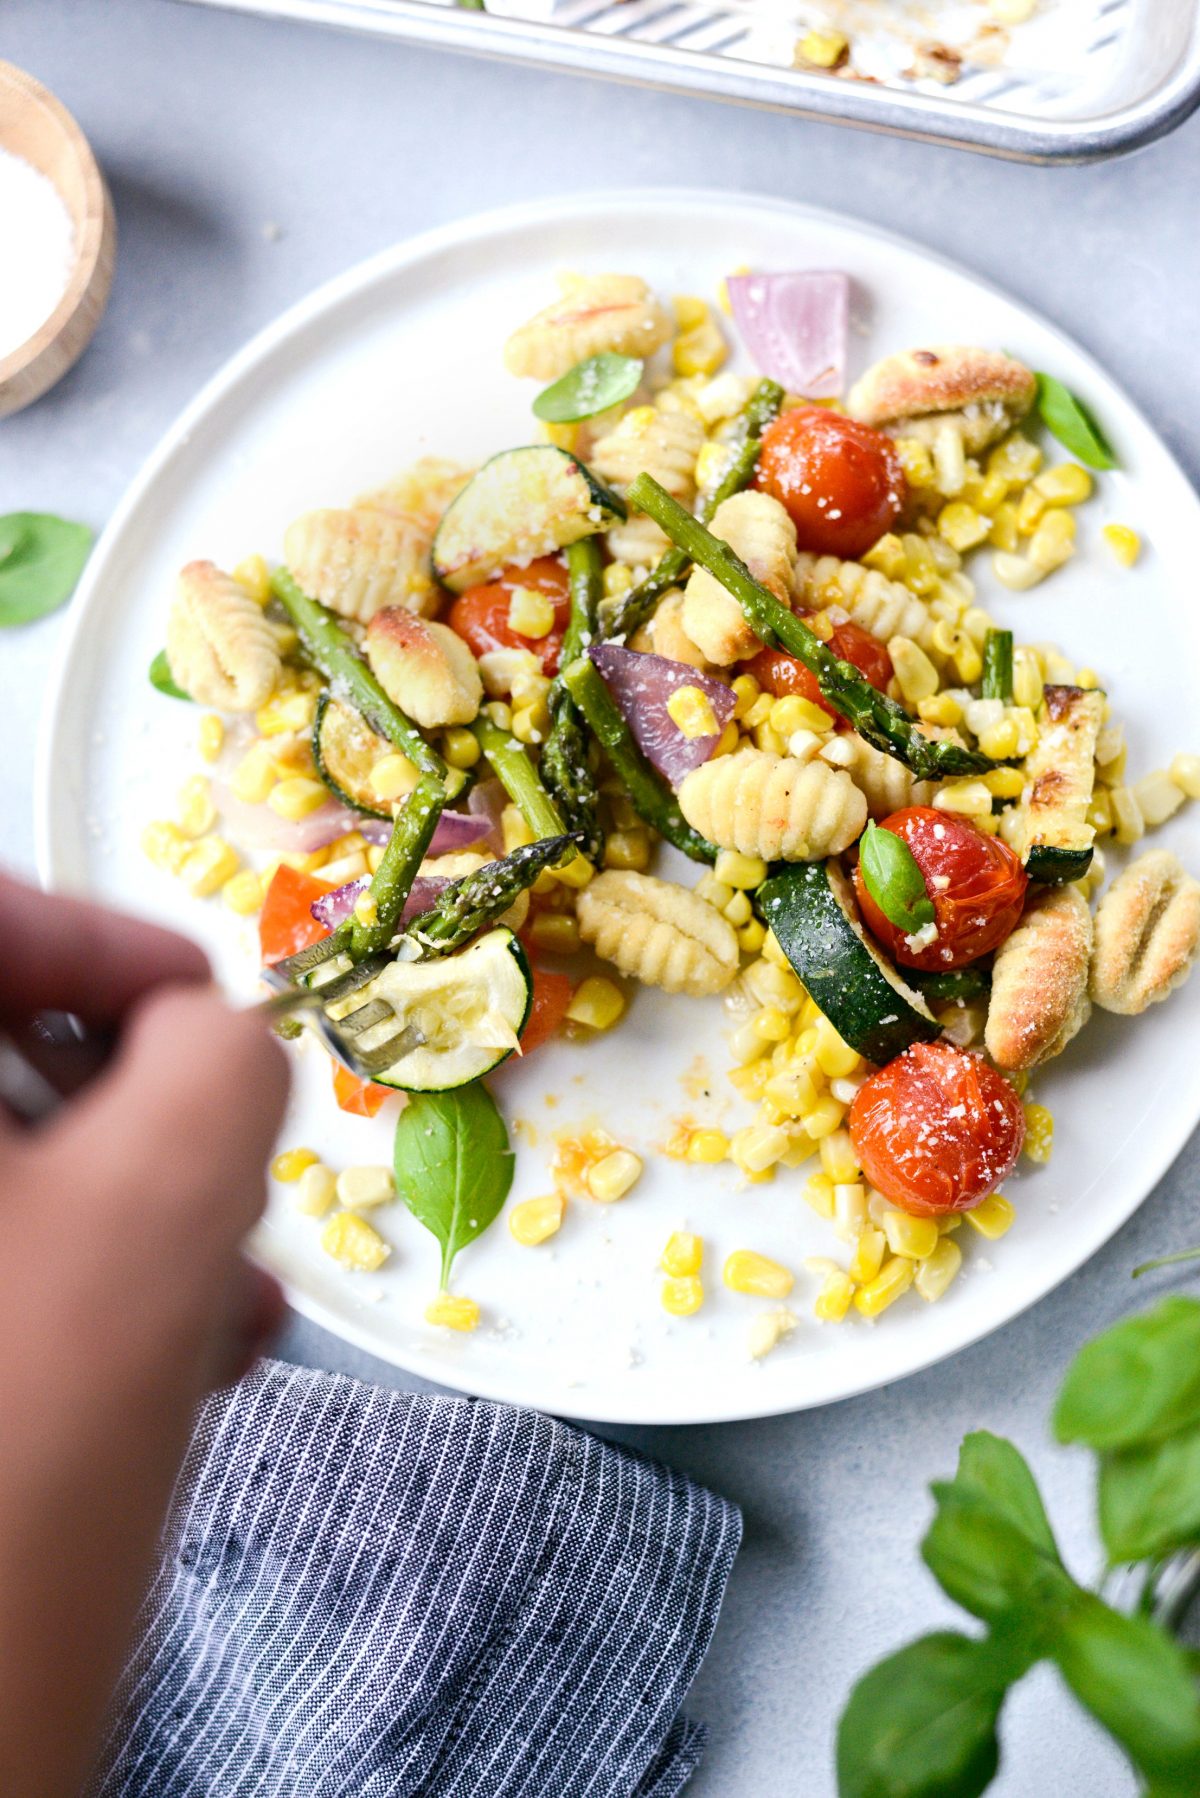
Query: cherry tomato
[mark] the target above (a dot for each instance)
(362, 1098)
(286, 924)
(976, 882)
(841, 482)
(551, 996)
(779, 673)
(936, 1130)
(480, 615)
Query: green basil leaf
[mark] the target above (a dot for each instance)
(922, 1724)
(1138, 1382)
(994, 1468)
(990, 1546)
(1149, 1498)
(893, 879)
(1075, 426)
(160, 677)
(41, 559)
(592, 386)
(453, 1165)
(1138, 1683)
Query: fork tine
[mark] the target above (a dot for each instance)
(395, 1049)
(376, 1011)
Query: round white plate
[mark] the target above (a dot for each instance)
(402, 357)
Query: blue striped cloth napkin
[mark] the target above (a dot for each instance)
(376, 1594)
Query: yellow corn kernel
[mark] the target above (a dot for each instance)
(515, 831)
(613, 1176)
(822, 50)
(289, 1164)
(751, 937)
(758, 1147)
(207, 865)
(1124, 542)
(1185, 772)
(992, 1217)
(165, 845)
(366, 910)
(453, 1313)
(360, 1188)
(771, 1024)
(1017, 573)
(627, 849)
(1158, 797)
(850, 1212)
(916, 675)
(392, 777)
(1066, 485)
(940, 708)
(1016, 459)
(340, 870)
(741, 871)
(1005, 783)
(793, 713)
(195, 808)
(1128, 823)
(838, 1156)
(747, 1271)
(888, 556)
(962, 526)
(935, 1273)
(1039, 1133)
(1027, 678)
(690, 710)
(1001, 740)
(893, 1279)
(833, 1300)
(531, 723)
(210, 739)
(968, 798)
(354, 1242)
(773, 954)
(1087, 678)
(536, 1220)
(746, 693)
(916, 1237)
(758, 713)
(575, 873)
(835, 1058)
(711, 464)
(618, 579)
(316, 1190)
(243, 893)
(701, 351)
(792, 1090)
(1053, 542)
(253, 574)
(683, 1254)
(817, 1191)
(254, 775)
(555, 932)
(374, 858)
(751, 1081)
(707, 1146)
(1099, 811)
(738, 910)
(769, 1330)
(530, 612)
(1030, 509)
(596, 1003)
(768, 739)
(297, 797)
(824, 1118)
(682, 1296)
(1004, 534)
(921, 570)
(459, 747)
(867, 1258)
(499, 713)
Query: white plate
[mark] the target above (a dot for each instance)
(402, 357)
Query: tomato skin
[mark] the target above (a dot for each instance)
(937, 1129)
(841, 482)
(779, 673)
(975, 912)
(286, 924)
(480, 615)
(362, 1098)
(551, 996)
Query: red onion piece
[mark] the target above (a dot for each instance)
(455, 830)
(795, 327)
(258, 827)
(332, 909)
(642, 684)
(487, 799)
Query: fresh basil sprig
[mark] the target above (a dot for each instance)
(894, 880)
(454, 1166)
(160, 676)
(592, 386)
(41, 559)
(1073, 423)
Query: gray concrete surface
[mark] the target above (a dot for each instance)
(250, 161)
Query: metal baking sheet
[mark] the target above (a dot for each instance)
(1078, 81)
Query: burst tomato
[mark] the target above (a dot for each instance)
(976, 883)
(551, 996)
(362, 1098)
(936, 1130)
(480, 615)
(841, 482)
(286, 924)
(779, 673)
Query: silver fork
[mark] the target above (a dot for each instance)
(340, 1035)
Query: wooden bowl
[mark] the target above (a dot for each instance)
(35, 125)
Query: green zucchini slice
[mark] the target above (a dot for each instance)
(810, 907)
(471, 1008)
(345, 749)
(1056, 838)
(523, 503)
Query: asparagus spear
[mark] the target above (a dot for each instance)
(331, 650)
(637, 605)
(652, 798)
(478, 898)
(564, 760)
(875, 717)
(518, 776)
(406, 849)
(998, 666)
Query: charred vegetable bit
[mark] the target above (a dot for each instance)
(638, 604)
(998, 666)
(518, 776)
(649, 793)
(564, 764)
(878, 719)
(464, 907)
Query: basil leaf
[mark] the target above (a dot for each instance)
(1139, 1685)
(1149, 1498)
(922, 1724)
(990, 1546)
(1138, 1382)
(1148, 1267)
(41, 559)
(893, 879)
(1076, 428)
(159, 672)
(453, 1165)
(592, 386)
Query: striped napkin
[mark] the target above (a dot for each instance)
(376, 1594)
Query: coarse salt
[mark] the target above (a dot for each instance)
(37, 243)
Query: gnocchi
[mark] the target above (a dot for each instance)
(773, 806)
(757, 529)
(358, 560)
(658, 932)
(1039, 998)
(593, 313)
(885, 783)
(220, 646)
(872, 602)
(425, 667)
(1147, 934)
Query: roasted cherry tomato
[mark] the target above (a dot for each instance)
(841, 482)
(362, 1098)
(936, 1130)
(976, 882)
(286, 924)
(779, 673)
(480, 615)
(551, 996)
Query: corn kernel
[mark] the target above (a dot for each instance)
(771, 1024)
(833, 1300)
(1099, 811)
(1018, 573)
(165, 845)
(297, 797)
(1053, 542)
(751, 937)
(366, 910)
(285, 713)
(746, 1271)
(392, 777)
(1004, 534)
(751, 1081)
(690, 710)
(746, 693)
(374, 858)
(817, 1191)
(1124, 542)
(792, 1090)
(967, 798)
(316, 1190)
(575, 873)
(626, 849)
(744, 872)
(682, 1296)
(835, 1058)
(499, 713)
(887, 555)
(1127, 818)
(596, 1003)
(612, 1177)
(339, 871)
(838, 1156)
(700, 351)
(254, 775)
(1027, 678)
(935, 1273)
(618, 579)
(291, 1163)
(962, 526)
(1066, 485)
(940, 708)
(1030, 510)
(207, 865)
(793, 713)
(1016, 459)
(210, 739)
(824, 1119)
(1039, 1133)
(769, 1330)
(1185, 772)
(253, 574)
(1158, 797)
(530, 612)
(892, 1280)
(867, 1258)
(758, 713)
(531, 723)
(683, 1254)
(916, 1237)
(536, 1220)
(243, 893)
(354, 1242)
(453, 1313)
(992, 1217)
(822, 50)
(916, 675)
(758, 1147)
(359, 1188)
(707, 1146)
(555, 932)
(738, 910)
(195, 809)
(1005, 783)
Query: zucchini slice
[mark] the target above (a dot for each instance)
(1056, 837)
(471, 1007)
(345, 749)
(811, 909)
(523, 503)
